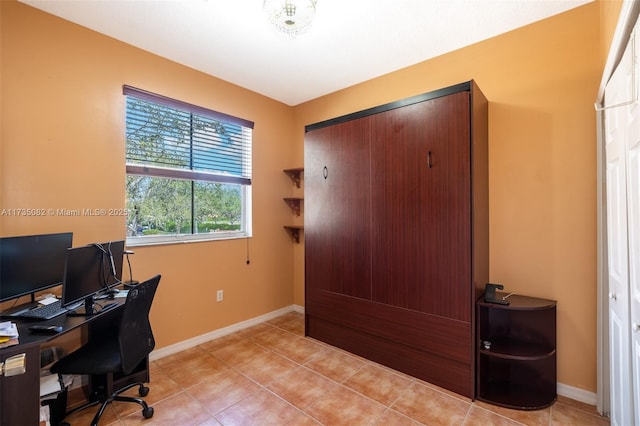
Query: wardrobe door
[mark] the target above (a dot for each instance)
(420, 204)
(337, 214)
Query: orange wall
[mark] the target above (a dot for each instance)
(541, 83)
(62, 129)
(63, 141)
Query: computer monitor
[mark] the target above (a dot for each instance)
(32, 263)
(89, 271)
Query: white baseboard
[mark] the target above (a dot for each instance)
(577, 394)
(571, 392)
(195, 341)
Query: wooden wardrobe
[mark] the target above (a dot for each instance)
(396, 233)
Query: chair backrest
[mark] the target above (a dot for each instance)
(136, 336)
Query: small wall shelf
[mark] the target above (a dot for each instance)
(294, 203)
(294, 231)
(294, 174)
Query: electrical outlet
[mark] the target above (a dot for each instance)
(219, 295)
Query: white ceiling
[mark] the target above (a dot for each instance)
(350, 41)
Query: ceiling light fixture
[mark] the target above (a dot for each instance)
(291, 17)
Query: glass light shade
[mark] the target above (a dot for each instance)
(291, 17)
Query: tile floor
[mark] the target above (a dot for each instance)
(270, 374)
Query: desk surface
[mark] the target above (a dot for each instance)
(67, 323)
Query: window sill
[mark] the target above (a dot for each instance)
(184, 239)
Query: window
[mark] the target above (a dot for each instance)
(188, 171)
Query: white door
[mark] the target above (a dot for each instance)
(617, 130)
(633, 220)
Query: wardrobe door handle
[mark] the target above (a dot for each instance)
(429, 163)
(325, 172)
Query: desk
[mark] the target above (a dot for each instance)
(20, 395)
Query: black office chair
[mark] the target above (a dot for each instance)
(117, 354)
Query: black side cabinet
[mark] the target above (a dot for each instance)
(516, 352)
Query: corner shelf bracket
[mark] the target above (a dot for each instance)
(294, 231)
(294, 203)
(294, 174)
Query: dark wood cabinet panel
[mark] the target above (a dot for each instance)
(396, 233)
(337, 219)
(433, 367)
(410, 328)
(420, 205)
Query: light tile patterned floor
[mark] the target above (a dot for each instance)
(270, 374)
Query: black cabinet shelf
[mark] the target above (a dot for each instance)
(516, 349)
(516, 356)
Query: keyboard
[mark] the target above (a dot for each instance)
(43, 312)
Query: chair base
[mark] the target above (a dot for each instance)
(147, 412)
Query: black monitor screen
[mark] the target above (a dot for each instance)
(91, 269)
(29, 264)
(82, 274)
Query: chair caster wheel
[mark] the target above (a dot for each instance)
(143, 391)
(147, 413)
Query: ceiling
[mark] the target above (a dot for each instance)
(350, 41)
